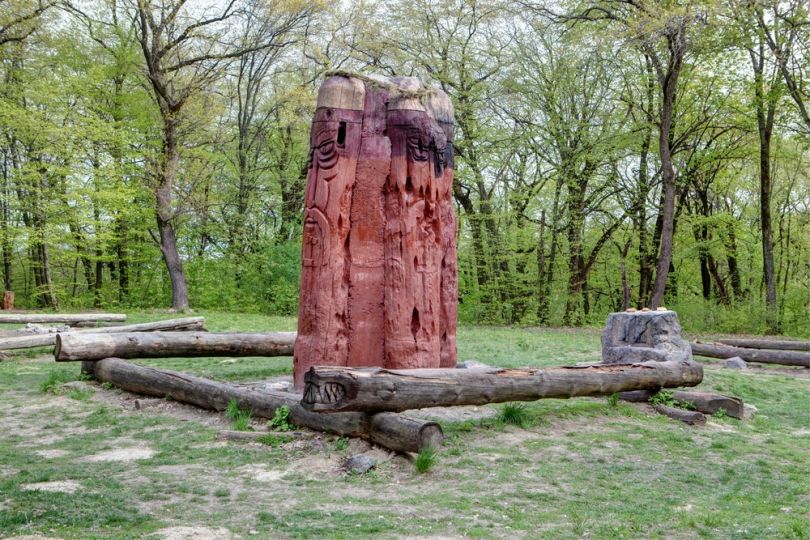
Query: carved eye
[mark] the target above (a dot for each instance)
(327, 154)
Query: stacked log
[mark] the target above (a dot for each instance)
(21, 340)
(392, 431)
(776, 344)
(96, 346)
(763, 356)
(704, 402)
(331, 389)
(66, 318)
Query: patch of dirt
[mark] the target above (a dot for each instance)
(51, 454)
(261, 474)
(59, 486)
(194, 533)
(32, 537)
(453, 414)
(122, 454)
(317, 466)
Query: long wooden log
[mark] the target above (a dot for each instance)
(330, 389)
(24, 341)
(68, 318)
(785, 358)
(693, 418)
(778, 344)
(95, 346)
(704, 402)
(389, 430)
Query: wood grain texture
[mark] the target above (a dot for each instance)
(43, 340)
(763, 356)
(379, 281)
(85, 346)
(389, 430)
(777, 344)
(67, 318)
(330, 389)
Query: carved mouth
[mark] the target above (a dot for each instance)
(326, 393)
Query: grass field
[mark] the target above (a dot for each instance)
(78, 460)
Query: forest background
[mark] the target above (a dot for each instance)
(609, 153)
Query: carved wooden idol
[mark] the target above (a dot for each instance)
(379, 282)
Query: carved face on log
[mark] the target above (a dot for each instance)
(378, 283)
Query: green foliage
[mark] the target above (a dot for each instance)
(274, 439)
(280, 420)
(425, 459)
(720, 414)
(80, 394)
(664, 397)
(240, 417)
(613, 399)
(515, 414)
(56, 378)
(341, 444)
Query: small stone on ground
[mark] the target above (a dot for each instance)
(360, 464)
(736, 363)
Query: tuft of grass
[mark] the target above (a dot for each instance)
(341, 444)
(613, 399)
(239, 417)
(425, 459)
(56, 378)
(273, 440)
(515, 414)
(720, 414)
(80, 394)
(664, 397)
(280, 420)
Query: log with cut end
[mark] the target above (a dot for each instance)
(29, 340)
(693, 418)
(392, 431)
(785, 358)
(777, 344)
(86, 346)
(330, 389)
(67, 318)
(704, 402)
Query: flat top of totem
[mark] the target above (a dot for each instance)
(344, 89)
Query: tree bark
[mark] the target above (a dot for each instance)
(693, 418)
(786, 358)
(95, 346)
(330, 389)
(779, 344)
(704, 402)
(392, 431)
(24, 318)
(44, 340)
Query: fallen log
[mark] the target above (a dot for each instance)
(704, 402)
(68, 318)
(693, 418)
(95, 346)
(785, 358)
(331, 389)
(392, 431)
(27, 341)
(777, 344)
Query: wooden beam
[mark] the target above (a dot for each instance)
(392, 431)
(785, 358)
(330, 389)
(27, 341)
(68, 318)
(96, 346)
(778, 344)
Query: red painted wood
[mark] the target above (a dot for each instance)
(379, 280)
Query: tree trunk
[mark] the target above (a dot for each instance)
(95, 346)
(392, 431)
(44, 340)
(780, 344)
(786, 358)
(330, 389)
(693, 418)
(704, 402)
(165, 215)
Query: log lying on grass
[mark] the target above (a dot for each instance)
(68, 318)
(778, 344)
(389, 430)
(785, 358)
(330, 389)
(693, 418)
(95, 346)
(704, 402)
(27, 341)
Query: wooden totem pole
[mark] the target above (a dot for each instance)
(379, 282)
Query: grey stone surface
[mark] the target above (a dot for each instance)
(640, 336)
(736, 362)
(360, 464)
(472, 364)
(749, 411)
